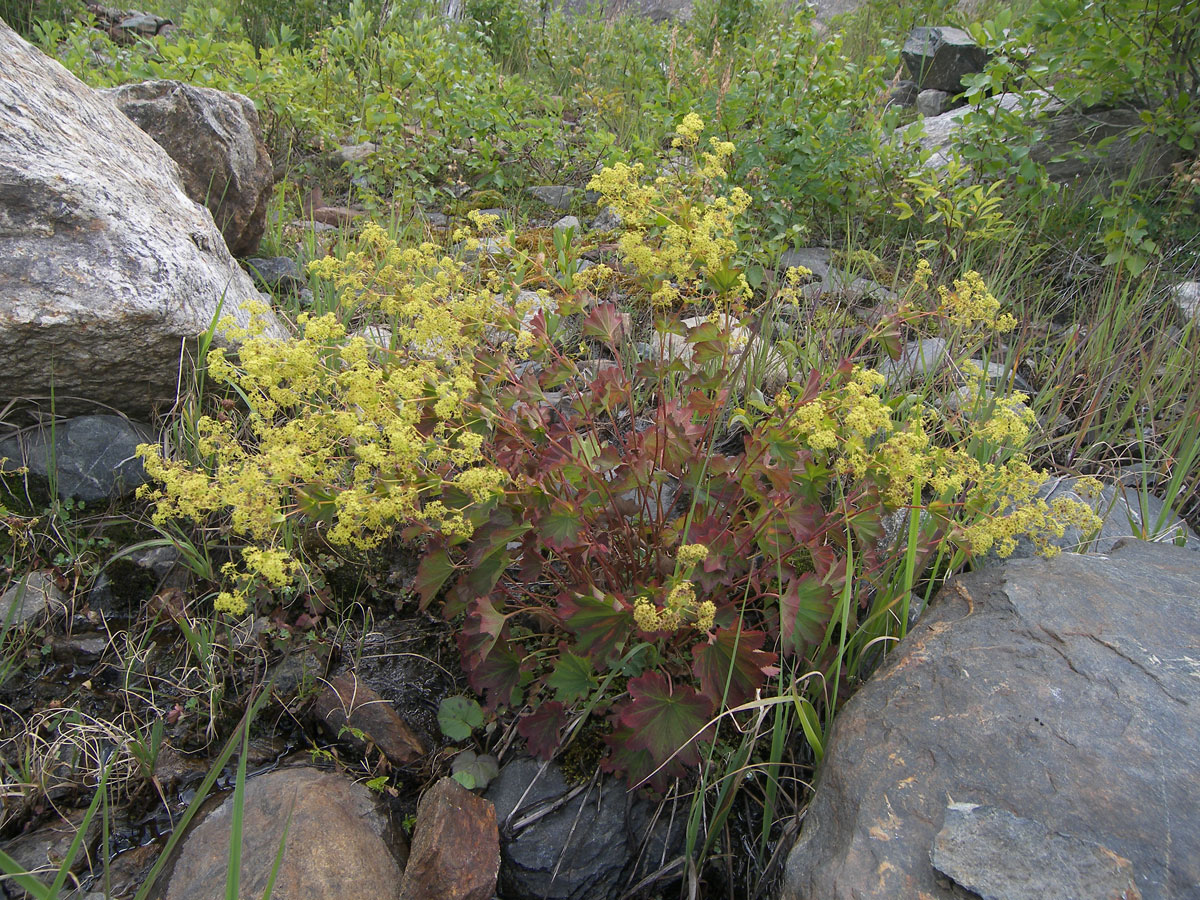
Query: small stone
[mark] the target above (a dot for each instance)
(42, 851)
(558, 196)
(903, 95)
(455, 851)
(31, 598)
(606, 220)
(816, 259)
(931, 102)
(354, 153)
(347, 706)
(1187, 300)
(567, 222)
(1000, 856)
(277, 274)
(917, 359)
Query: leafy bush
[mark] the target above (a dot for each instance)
(343, 437)
(659, 548)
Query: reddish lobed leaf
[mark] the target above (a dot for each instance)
(600, 623)
(665, 718)
(734, 659)
(804, 610)
(635, 763)
(432, 573)
(542, 728)
(480, 632)
(497, 676)
(607, 323)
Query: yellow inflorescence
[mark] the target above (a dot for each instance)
(344, 436)
(678, 230)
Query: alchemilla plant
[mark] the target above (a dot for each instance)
(625, 539)
(344, 436)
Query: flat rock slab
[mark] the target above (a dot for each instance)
(1000, 856)
(339, 845)
(1064, 691)
(353, 712)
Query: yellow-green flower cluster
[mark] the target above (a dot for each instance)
(679, 607)
(678, 230)
(970, 303)
(343, 437)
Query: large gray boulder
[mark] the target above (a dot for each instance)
(1070, 142)
(1043, 710)
(108, 271)
(216, 139)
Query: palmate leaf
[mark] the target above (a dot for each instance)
(432, 573)
(606, 323)
(497, 677)
(572, 678)
(560, 526)
(804, 610)
(541, 730)
(665, 719)
(733, 657)
(600, 624)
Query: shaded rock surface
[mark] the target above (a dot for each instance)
(582, 842)
(216, 139)
(107, 268)
(44, 849)
(93, 458)
(1069, 146)
(276, 274)
(340, 846)
(455, 851)
(937, 58)
(1063, 691)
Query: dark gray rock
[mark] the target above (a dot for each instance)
(1000, 856)
(94, 457)
(591, 847)
(280, 275)
(130, 579)
(1064, 690)
(606, 220)
(903, 94)
(216, 139)
(939, 57)
(817, 260)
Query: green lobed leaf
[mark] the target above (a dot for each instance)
(458, 717)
